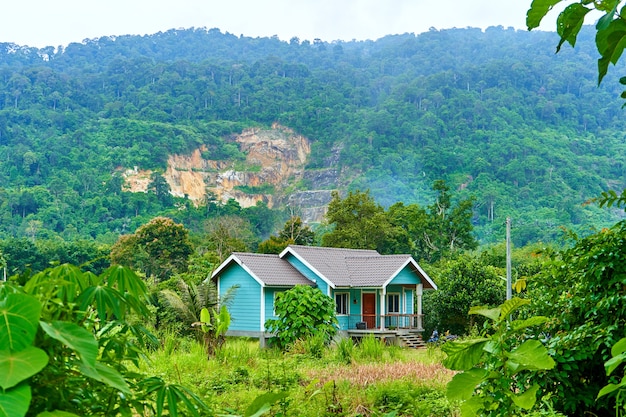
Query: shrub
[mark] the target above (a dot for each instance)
(302, 312)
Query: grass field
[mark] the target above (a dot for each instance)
(369, 379)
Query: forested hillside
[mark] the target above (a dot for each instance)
(496, 114)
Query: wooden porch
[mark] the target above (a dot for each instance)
(377, 323)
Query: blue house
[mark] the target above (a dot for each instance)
(373, 293)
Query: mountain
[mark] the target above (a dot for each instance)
(495, 113)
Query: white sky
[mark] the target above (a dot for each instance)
(58, 22)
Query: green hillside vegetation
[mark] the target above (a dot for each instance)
(496, 114)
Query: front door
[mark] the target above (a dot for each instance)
(369, 309)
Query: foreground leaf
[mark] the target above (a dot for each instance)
(18, 366)
(464, 354)
(461, 386)
(107, 375)
(19, 318)
(538, 10)
(527, 399)
(75, 337)
(15, 402)
(531, 355)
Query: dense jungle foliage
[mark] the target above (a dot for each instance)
(527, 133)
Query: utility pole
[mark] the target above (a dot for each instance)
(509, 292)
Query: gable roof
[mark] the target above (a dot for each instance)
(341, 267)
(267, 270)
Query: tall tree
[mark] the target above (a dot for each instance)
(159, 248)
(361, 223)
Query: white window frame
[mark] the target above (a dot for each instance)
(389, 303)
(346, 296)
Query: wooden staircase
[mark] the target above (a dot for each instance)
(411, 340)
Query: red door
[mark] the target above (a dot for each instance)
(369, 309)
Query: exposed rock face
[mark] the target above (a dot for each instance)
(274, 157)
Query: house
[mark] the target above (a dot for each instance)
(373, 293)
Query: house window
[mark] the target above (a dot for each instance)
(274, 305)
(393, 303)
(342, 301)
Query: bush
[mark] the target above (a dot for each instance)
(302, 312)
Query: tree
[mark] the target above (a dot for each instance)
(302, 311)
(293, 233)
(159, 248)
(582, 289)
(440, 231)
(228, 234)
(360, 223)
(462, 283)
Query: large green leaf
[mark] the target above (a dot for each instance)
(569, 23)
(538, 10)
(15, 402)
(530, 355)
(472, 407)
(107, 375)
(527, 399)
(461, 386)
(108, 301)
(610, 43)
(532, 321)
(462, 355)
(509, 306)
(18, 366)
(19, 318)
(491, 313)
(75, 337)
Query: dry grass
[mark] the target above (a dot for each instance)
(366, 374)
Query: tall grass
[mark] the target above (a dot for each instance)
(346, 379)
(371, 348)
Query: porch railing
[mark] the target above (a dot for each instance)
(392, 321)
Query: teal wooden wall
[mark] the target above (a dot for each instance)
(304, 270)
(245, 311)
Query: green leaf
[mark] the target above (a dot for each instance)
(462, 355)
(107, 301)
(18, 366)
(527, 399)
(205, 318)
(19, 319)
(610, 43)
(532, 321)
(569, 23)
(619, 347)
(263, 403)
(75, 337)
(531, 355)
(461, 386)
(538, 10)
(15, 402)
(107, 375)
(509, 306)
(607, 389)
(472, 407)
(613, 363)
(491, 313)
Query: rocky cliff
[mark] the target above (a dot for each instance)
(273, 172)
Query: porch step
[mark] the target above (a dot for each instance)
(412, 340)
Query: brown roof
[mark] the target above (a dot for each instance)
(330, 262)
(271, 270)
(374, 271)
(355, 267)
